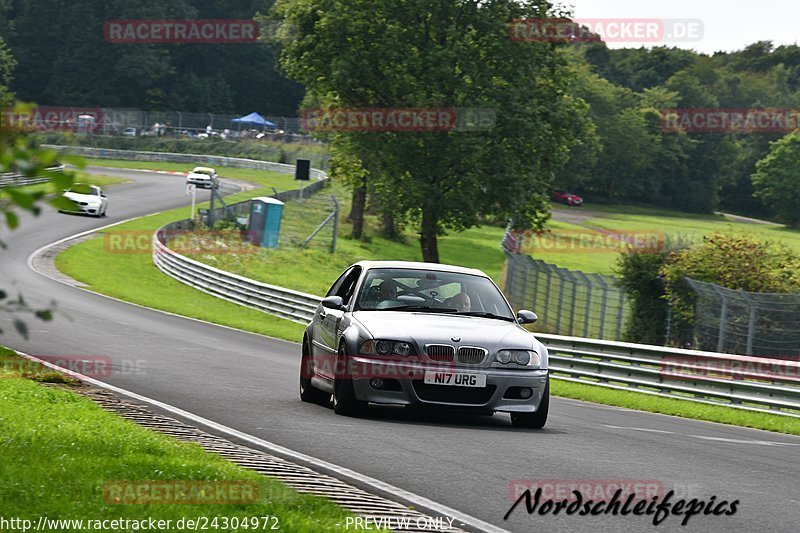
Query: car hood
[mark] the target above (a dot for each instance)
(77, 197)
(427, 328)
(198, 176)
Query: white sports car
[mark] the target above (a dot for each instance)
(203, 177)
(88, 199)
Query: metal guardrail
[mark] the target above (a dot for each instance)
(294, 305)
(11, 179)
(286, 303)
(751, 383)
(743, 382)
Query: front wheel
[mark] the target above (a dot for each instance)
(344, 396)
(535, 420)
(308, 392)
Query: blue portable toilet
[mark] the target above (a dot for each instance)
(265, 221)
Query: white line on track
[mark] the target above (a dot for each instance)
(343, 473)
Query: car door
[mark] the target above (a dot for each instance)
(329, 319)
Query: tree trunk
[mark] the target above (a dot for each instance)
(389, 226)
(357, 211)
(428, 235)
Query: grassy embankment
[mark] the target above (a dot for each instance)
(66, 458)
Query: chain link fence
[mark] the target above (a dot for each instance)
(137, 122)
(749, 323)
(568, 302)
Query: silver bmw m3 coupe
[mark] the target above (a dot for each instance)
(424, 335)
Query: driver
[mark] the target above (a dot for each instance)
(387, 290)
(462, 302)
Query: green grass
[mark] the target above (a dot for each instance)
(62, 450)
(264, 178)
(647, 220)
(314, 269)
(676, 407)
(134, 278)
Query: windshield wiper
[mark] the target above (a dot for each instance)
(418, 308)
(485, 314)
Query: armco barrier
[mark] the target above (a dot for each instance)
(750, 383)
(17, 180)
(293, 305)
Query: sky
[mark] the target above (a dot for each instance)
(726, 25)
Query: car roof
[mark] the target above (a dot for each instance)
(414, 265)
(209, 169)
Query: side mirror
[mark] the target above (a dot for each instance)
(526, 317)
(333, 302)
(102, 195)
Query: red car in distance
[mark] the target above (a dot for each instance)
(563, 197)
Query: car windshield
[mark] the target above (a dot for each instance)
(202, 171)
(81, 188)
(401, 289)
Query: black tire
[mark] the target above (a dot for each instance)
(344, 396)
(308, 392)
(535, 420)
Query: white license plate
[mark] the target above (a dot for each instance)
(455, 379)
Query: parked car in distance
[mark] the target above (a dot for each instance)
(423, 335)
(88, 199)
(563, 197)
(129, 132)
(203, 177)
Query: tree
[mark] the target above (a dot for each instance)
(7, 64)
(777, 178)
(449, 54)
(19, 155)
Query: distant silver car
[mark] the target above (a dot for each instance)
(423, 334)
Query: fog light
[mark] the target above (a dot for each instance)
(377, 383)
(525, 393)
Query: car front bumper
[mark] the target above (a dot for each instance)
(404, 385)
(84, 210)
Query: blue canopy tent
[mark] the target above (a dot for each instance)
(254, 120)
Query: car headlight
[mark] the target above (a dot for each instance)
(518, 357)
(384, 347)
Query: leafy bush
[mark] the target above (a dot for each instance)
(738, 262)
(639, 273)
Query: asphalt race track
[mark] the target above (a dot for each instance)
(249, 382)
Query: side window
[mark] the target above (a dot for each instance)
(334, 290)
(348, 286)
